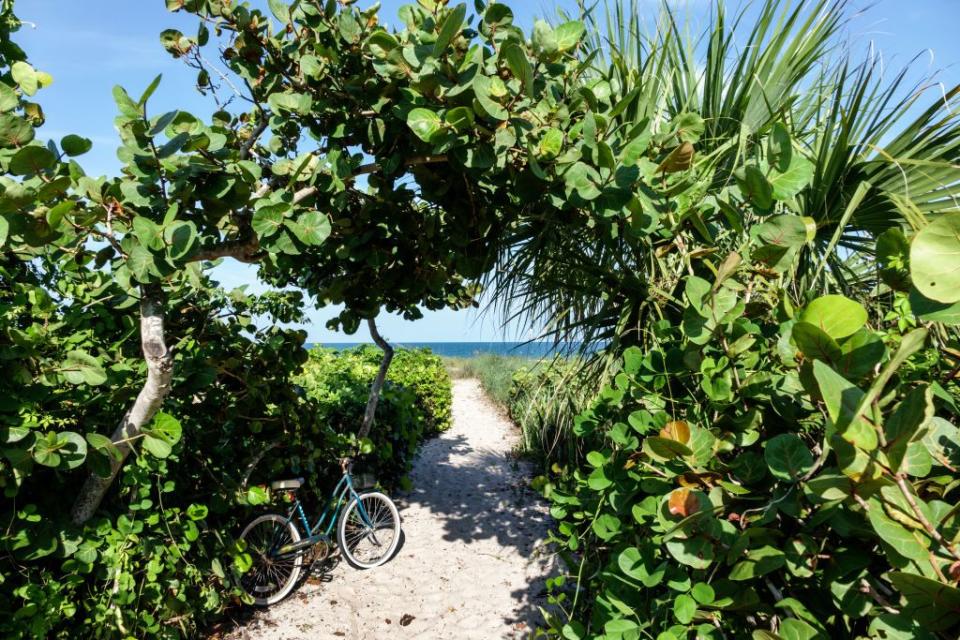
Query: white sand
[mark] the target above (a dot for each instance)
(471, 563)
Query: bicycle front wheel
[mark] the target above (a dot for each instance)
(272, 575)
(369, 530)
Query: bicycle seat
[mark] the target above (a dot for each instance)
(289, 485)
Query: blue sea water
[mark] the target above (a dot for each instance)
(470, 349)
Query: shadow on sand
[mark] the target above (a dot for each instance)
(479, 494)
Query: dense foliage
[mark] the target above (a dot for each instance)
(769, 471)
(415, 403)
(764, 439)
(160, 560)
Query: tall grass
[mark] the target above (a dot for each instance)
(495, 373)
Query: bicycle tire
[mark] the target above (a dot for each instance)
(352, 531)
(269, 581)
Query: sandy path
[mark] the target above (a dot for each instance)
(472, 561)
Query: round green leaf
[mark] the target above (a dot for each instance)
(815, 343)
(311, 228)
(935, 259)
(74, 145)
(14, 131)
(486, 90)
(835, 315)
(893, 256)
(8, 98)
(568, 35)
(31, 160)
(157, 446)
(74, 450)
(424, 123)
(696, 552)
(82, 368)
(788, 457)
(460, 118)
(181, 237)
(702, 593)
(793, 180)
(684, 608)
(148, 232)
(925, 308)
(25, 76)
(268, 220)
(167, 427)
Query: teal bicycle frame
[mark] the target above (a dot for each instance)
(344, 489)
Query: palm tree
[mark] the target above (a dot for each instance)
(872, 166)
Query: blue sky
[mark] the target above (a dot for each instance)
(88, 47)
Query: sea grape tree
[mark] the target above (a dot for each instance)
(372, 168)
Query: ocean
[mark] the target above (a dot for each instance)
(468, 349)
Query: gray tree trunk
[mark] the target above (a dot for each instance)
(159, 361)
(377, 386)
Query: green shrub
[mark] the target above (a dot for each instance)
(763, 472)
(159, 559)
(415, 402)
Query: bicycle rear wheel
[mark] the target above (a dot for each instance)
(368, 537)
(272, 576)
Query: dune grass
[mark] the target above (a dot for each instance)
(494, 371)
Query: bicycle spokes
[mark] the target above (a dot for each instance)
(270, 571)
(369, 531)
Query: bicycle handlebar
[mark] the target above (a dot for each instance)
(346, 464)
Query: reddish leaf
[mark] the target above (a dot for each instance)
(683, 503)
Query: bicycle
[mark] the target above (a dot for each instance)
(368, 530)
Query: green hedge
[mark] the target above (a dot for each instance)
(415, 403)
(759, 472)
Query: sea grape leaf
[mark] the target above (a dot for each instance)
(933, 311)
(788, 457)
(935, 259)
(311, 228)
(425, 123)
(74, 145)
(786, 184)
(519, 66)
(664, 448)
(913, 412)
(935, 605)
(80, 367)
(31, 160)
(568, 35)
(268, 220)
(893, 258)
(758, 562)
(835, 315)
(756, 187)
(815, 343)
(909, 543)
(181, 236)
(843, 400)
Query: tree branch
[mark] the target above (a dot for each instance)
(409, 162)
(254, 135)
(375, 388)
(243, 250)
(159, 361)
